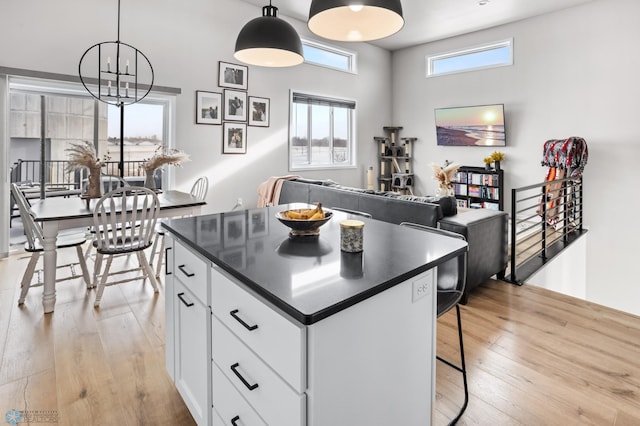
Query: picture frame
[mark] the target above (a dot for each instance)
(235, 226)
(208, 107)
(234, 76)
(236, 257)
(234, 138)
(259, 111)
(235, 105)
(258, 223)
(208, 231)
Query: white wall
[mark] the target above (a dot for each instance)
(184, 42)
(567, 272)
(575, 74)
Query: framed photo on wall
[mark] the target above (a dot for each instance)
(258, 111)
(233, 76)
(208, 107)
(235, 105)
(234, 138)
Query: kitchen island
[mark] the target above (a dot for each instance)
(265, 329)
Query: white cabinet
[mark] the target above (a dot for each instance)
(240, 360)
(169, 329)
(192, 347)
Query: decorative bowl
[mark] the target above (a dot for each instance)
(304, 227)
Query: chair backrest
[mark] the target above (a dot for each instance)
(125, 219)
(452, 274)
(111, 182)
(32, 230)
(356, 212)
(200, 188)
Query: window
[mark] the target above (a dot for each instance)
(489, 55)
(321, 132)
(327, 56)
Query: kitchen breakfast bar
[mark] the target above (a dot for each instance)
(267, 329)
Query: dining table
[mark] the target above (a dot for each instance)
(56, 214)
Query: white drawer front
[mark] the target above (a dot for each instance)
(230, 405)
(276, 339)
(192, 271)
(273, 399)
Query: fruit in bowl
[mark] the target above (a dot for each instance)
(305, 222)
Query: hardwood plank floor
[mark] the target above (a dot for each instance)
(534, 357)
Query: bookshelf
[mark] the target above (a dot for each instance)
(395, 172)
(477, 187)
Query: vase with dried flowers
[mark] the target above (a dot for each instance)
(497, 157)
(84, 155)
(444, 176)
(162, 156)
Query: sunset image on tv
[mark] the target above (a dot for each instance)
(471, 126)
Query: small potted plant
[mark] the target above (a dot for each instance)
(487, 162)
(497, 157)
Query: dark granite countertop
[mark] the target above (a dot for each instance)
(309, 277)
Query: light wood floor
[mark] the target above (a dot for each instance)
(535, 358)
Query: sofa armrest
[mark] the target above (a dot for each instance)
(486, 234)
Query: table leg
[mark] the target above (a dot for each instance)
(50, 234)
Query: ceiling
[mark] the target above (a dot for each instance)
(430, 20)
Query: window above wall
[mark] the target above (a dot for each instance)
(321, 132)
(321, 54)
(489, 55)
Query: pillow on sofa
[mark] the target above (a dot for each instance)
(447, 203)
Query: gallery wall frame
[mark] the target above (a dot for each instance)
(208, 107)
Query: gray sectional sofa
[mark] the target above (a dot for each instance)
(485, 230)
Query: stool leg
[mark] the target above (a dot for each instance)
(27, 277)
(160, 257)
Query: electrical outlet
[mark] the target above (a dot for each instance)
(422, 287)
(239, 202)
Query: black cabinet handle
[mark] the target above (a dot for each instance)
(234, 314)
(242, 379)
(234, 420)
(166, 261)
(189, 274)
(187, 304)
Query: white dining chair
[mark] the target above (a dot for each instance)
(33, 245)
(199, 191)
(111, 215)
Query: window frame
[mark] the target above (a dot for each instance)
(351, 133)
(431, 59)
(351, 56)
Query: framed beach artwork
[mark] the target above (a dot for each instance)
(234, 138)
(235, 226)
(233, 76)
(235, 105)
(258, 111)
(208, 107)
(481, 125)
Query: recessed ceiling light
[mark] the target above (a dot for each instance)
(483, 2)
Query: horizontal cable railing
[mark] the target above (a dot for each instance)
(543, 215)
(57, 174)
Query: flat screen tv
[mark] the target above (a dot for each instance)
(481, 125)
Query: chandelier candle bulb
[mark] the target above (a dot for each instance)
(126, 68)
(370, 178)
(351, 236)
(109, 64)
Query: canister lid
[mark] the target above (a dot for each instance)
(352, 224)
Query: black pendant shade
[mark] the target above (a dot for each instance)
(268, 41)
(355, 20)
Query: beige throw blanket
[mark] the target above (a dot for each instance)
(269, 190)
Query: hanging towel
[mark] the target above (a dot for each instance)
(269, 190)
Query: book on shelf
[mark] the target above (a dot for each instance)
(459, 189)
(462, 203)
(474, 191)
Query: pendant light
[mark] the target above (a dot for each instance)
(355, 20)
(268, 41)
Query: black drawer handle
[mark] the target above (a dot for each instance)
(234, 314)
(234, 420)
(189, 274)
(187, 304)
(242, 379)
(166, 261)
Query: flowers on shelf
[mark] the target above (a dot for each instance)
(497, 157)
(444, 176)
